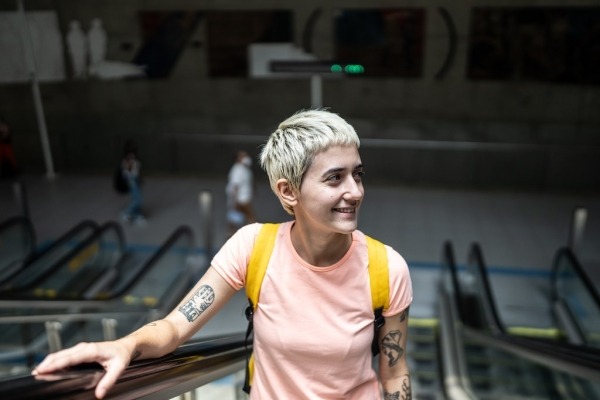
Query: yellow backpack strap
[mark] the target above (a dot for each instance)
(255, 273)
(380, 285)
(259, 259)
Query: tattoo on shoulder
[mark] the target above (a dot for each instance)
(199, 302)
(391, 347)
(404, 314)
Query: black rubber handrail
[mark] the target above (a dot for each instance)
(66, 238)
(579, 271)
(16, 220)
(183, 230)
(190, 366)
(449, 263)
(30, 232)
(475, 259)
(35, 256)
(17, 292)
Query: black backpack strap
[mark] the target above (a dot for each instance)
(249, 316)
(377, 324)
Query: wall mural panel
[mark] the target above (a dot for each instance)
(43, 39)
(386, 42)
(555, 44)
(165, 35)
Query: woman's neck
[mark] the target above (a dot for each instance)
(320, 249)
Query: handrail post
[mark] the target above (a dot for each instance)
(578, 222)
(205, 202)
(21, 200)
(109, 330)
(53, 332)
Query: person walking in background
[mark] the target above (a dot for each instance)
(8, 161)
(131, 169)
(240, 192)
(313, 322)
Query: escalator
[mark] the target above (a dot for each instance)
(33, 327)
(17, 244)
(572, 302)
(575, 300)
(42, 263)
(486, 362)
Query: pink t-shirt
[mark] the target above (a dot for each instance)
(314, 325)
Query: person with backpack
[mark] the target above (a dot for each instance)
(131, 175)
(315, 283)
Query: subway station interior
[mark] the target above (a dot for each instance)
(479, 126)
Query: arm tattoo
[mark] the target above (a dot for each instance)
(404, 314)
(199, 302)
(392, 348)
(406, 391)
(391, 396)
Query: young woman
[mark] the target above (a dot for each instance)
(313, 326)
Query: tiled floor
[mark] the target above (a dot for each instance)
(519, 232)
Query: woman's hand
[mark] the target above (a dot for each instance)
(113, 356)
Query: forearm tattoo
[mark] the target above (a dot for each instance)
(391, 396)
(199, 302)
(406, 391)
(392, 348)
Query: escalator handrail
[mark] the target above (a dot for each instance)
(65, 238)
(475, 258)
(26, 223)
(155, 258)
(572, 359)
(190, 366)
(19, 219)
(111, 225)
(581, 274)
(449, 262)
(105, 302)
(548, 354)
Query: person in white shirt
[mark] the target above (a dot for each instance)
(240, 192)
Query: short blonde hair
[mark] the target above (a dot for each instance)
(291, 148)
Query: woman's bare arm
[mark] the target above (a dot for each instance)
(150, 341)
(393, 366)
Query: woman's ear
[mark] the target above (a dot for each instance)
(287, 195)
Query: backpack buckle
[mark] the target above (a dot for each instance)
(379, 321)
(249, 312)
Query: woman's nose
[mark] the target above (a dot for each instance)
(354, 190)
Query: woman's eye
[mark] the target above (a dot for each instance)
(359, 174)
(335, 177)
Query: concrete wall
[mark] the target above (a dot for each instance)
(426, 131)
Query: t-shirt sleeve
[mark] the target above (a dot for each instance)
(401, 294)
(231, 261)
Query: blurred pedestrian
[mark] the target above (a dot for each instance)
(240, 192)
(8, 161)
(131, 170)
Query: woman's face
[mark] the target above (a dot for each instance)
(332, 191)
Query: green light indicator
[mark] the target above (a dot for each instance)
(336, 68)
(354, 69)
